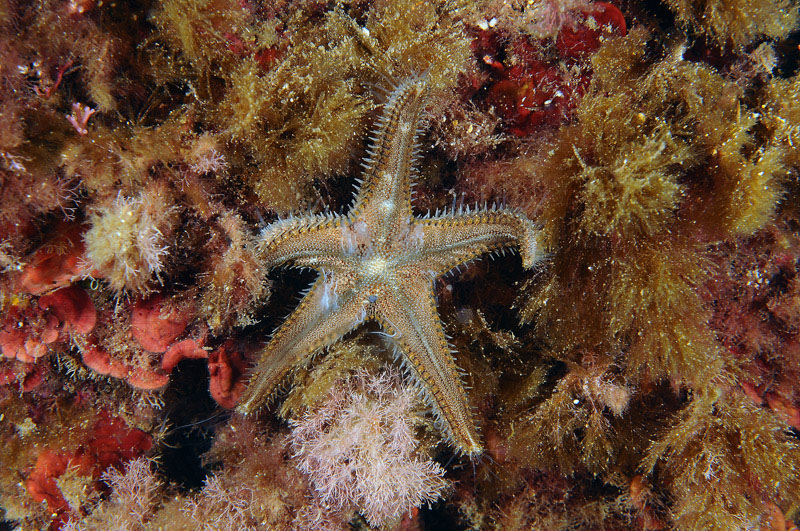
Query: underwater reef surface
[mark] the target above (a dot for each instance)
(632, 364)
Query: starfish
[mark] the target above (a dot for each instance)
(379, 262)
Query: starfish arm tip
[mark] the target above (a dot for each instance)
(530, 247)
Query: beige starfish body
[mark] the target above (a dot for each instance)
(379, 263)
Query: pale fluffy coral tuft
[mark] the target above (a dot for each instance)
(359, 449)
(127, 243)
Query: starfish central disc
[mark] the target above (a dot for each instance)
(376, 268)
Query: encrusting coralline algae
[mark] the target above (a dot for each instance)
(642, 375)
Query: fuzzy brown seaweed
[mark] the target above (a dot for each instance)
(655, 169)
(736, 23)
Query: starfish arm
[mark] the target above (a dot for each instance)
(308, 241)
(384, 197)
(409, 315)
(451, 240)
(324, 315)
